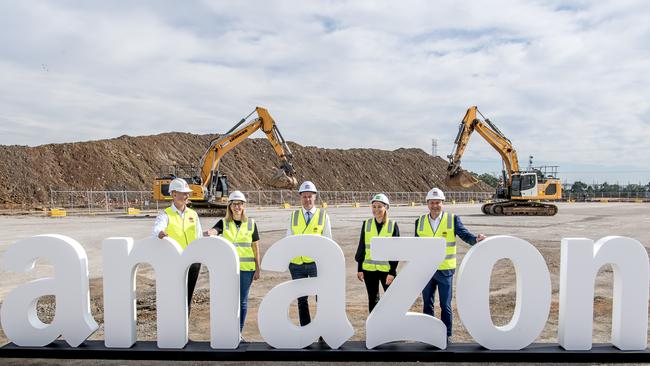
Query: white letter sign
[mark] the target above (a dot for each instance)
(331, 321)
(69, 285)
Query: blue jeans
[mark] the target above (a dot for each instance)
(245, 281)
(298, 271)
(442, 280)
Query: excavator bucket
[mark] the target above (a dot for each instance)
(462, 179)
(281, 180)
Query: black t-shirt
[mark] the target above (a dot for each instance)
(219, 227)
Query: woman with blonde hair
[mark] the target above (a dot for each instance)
(369, 271)
(242, 232)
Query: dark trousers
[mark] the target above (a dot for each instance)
(298, 271)
(372, 279)
(442, 280)
(192, 276)
(245, 281)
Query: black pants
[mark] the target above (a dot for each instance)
(304, 270)
(372, 279)
(192, 276)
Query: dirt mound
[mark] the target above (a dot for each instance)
(131, 163)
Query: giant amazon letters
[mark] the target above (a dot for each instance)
(390, 321)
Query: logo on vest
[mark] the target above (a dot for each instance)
(191, 219)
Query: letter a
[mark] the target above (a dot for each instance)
(331, 321)
(69, 285)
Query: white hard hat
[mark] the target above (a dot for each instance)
(236, 196)
(380, 197)
(179, 185)
(435, 194)
(307, 186)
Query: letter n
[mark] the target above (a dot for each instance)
(580, 261)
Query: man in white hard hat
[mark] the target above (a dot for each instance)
(182, 224)
(441, 224)
(309, 220)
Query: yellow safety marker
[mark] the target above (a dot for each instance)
(323, 205)
(133, 211)
(285, 205)
(356, 205)
(58, 212)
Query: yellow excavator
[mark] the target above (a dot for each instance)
(521, 192)
(209, 187)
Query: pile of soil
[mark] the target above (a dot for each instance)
(131, 163)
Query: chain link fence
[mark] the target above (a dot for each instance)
(621, 196)
(96, 202)
(274, 198)
(103, 201)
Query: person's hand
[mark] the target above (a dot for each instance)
(212, 232)
(256, 275)
(162, 234)
(480, 237)
(389, 279)
(360, 276)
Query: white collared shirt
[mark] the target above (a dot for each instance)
(162, 220)
(435, 222)
(327, 230)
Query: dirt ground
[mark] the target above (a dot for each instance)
(590, 220)
(131, 163)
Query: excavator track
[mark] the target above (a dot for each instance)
(518, 208)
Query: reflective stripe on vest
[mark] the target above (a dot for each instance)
(299, 227)
(242, 238)
(446, 230)
(370, 264)
(182, 229)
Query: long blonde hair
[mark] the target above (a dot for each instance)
(385, 219)
(230, 215)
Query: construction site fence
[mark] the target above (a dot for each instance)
(120, 201)
(623, 196)
(334, 198)
(113, 201)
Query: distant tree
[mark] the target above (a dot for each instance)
(489, 179)
(578, 187)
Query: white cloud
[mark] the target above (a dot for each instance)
(566, 81)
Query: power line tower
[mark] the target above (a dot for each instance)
(434, 147)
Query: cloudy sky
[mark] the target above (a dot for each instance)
(567, 82)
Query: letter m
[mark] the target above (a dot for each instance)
(170, 263)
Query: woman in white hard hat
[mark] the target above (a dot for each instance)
(369, 271)
(242, 232)
(182, 224)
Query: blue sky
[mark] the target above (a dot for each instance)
(567, 82)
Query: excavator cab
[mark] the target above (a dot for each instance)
(524, 185)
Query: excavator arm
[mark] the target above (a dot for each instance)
(238, 133)
(492, 135)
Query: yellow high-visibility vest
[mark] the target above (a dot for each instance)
(299, 227)
(370, 228)
(446, 230)
(182, 229)
(242, 238)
